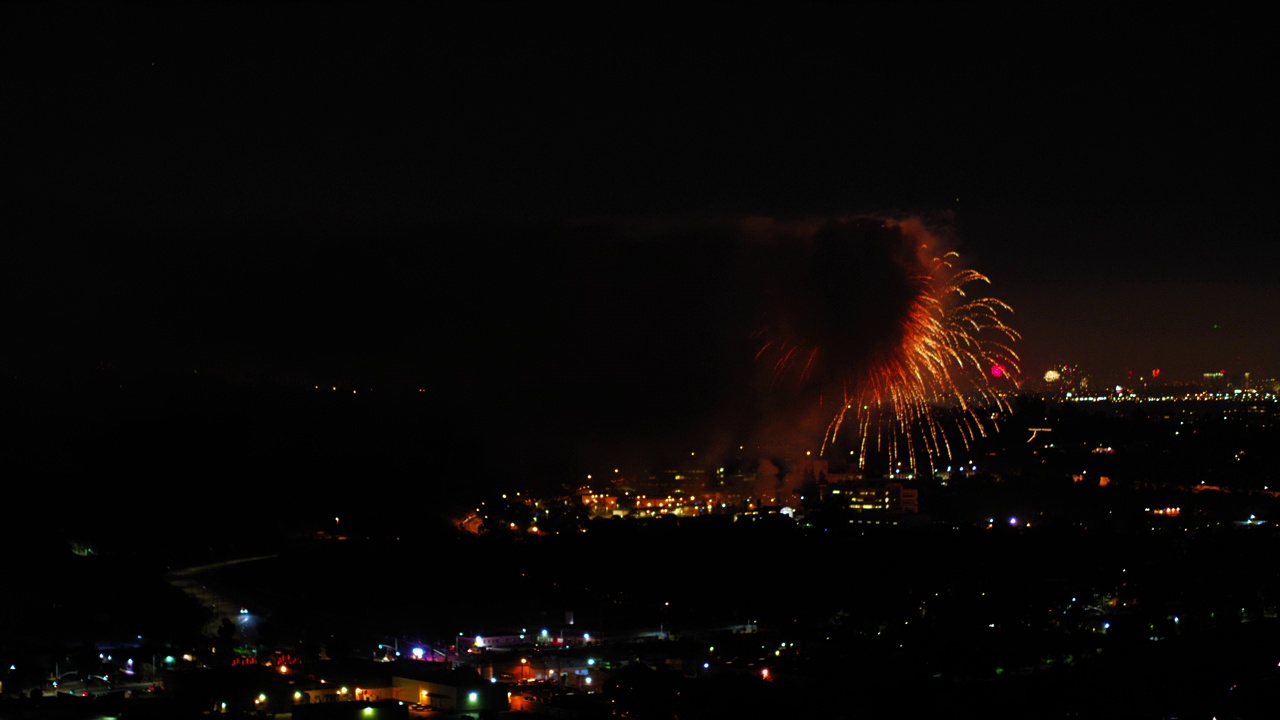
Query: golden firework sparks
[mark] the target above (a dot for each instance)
(952, 348)
(919, 390)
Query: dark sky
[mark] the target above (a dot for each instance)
(535, 211)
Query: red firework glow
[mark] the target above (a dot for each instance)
(932, 382)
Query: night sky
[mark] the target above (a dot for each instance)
(557, 221)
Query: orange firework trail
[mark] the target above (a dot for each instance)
(902, 336)
(952, 346)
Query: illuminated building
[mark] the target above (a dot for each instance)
(455, 690)
(869, 496)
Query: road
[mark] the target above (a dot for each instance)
(218, 601)
(96, 688)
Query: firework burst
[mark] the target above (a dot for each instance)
(953, 346)
(927, 384)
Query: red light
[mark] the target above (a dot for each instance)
(997, 370)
